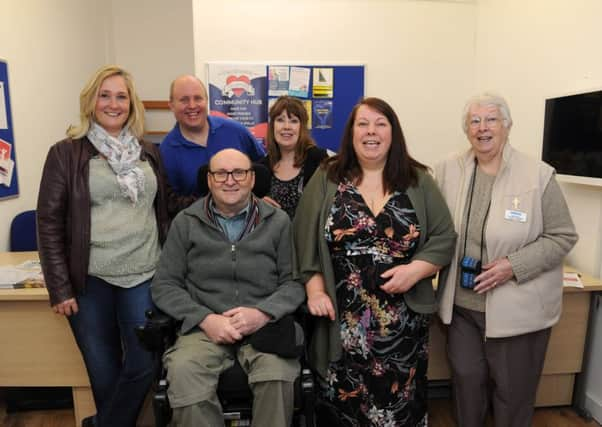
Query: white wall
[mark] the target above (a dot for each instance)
(529, 51)
(153, 40)
(52, 47)
(419, 55)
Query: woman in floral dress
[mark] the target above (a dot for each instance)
(370, 232)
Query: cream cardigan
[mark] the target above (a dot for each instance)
(514, 308)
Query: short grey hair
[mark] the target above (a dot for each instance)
(487, 99)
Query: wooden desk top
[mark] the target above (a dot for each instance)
(13, 258)
(590, 283)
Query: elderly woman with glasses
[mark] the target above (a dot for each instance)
(502, 292)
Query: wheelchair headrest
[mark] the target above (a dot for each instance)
(260, 189)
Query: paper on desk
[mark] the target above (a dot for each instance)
(31, 264)
(27, 274)
(572, 279)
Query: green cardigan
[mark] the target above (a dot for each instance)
(436, 246)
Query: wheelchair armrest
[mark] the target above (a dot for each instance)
(161, 407)
(307, 382)
(158, 332)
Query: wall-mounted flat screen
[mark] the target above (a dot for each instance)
(572, 138)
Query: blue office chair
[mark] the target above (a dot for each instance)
(23, 232)
(23, 238)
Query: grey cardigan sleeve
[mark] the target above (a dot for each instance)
(556, 240)
(290, 294)
(440, 236)
(168, 288)
(306, 228)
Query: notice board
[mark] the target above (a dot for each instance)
(245, 92)
(8, 166)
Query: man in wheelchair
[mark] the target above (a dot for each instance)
(226, 274)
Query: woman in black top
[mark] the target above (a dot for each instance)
(293, 156)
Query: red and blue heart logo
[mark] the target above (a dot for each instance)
(237, 86)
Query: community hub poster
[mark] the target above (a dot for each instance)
(239, 91)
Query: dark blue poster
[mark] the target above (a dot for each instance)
(239, 92)
(8, 166)
(322, 114)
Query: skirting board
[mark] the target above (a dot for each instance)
(594, 406)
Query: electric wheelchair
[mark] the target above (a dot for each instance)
(159, 333)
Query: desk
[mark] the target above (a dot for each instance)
(564, 356)
(38, 348)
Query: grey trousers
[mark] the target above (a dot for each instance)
(502, 371)
(194, 364)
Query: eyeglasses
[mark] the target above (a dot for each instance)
(238, 175)
(490, 122)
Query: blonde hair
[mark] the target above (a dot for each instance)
(89, 94)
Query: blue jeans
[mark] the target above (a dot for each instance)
(120, 370)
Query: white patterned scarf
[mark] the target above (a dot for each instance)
(123, 154)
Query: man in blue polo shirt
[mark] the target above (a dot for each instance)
(196, 137)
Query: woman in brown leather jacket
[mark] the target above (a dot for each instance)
(102, 217)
